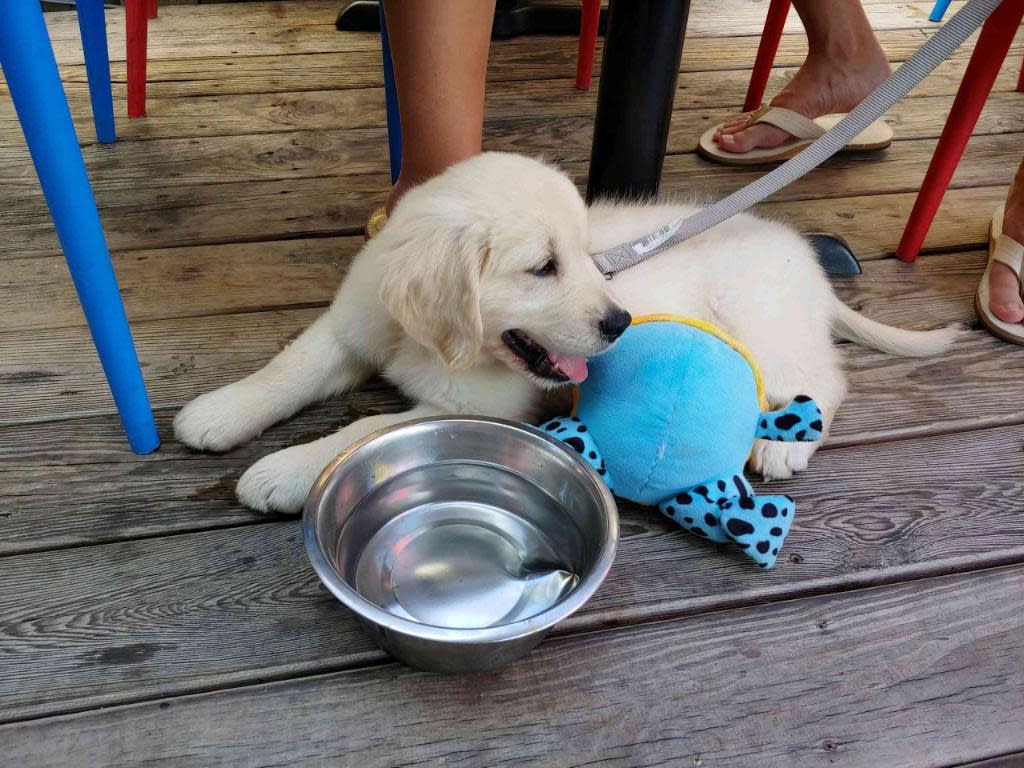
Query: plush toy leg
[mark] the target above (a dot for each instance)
(799, 422)
(573, 433)
(759, 524)
(726, 509)
(699, 510)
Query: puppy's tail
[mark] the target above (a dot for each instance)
(853, 326)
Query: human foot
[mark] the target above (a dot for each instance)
(825, 84)
(1004, 285)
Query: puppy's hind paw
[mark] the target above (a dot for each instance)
(775, 460)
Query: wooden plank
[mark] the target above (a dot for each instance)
(272, 28)
(1016, 760)
(54, 374)
(224, 114)
(81, 472)
(118, 496)
(286, 28)
(321, 106)
(873, 224)
(532, 58)
(900, 676)
(351, 124)
(232, 278)
(184, 282)
(330, 152)
(153, 215)
(988, 160)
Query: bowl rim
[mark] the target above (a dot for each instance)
(535, 624)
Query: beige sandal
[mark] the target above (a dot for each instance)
(376, 222)
(804, 131)
(1007, 251)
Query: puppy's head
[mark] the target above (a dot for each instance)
(490, 259)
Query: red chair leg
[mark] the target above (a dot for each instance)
(589, 19)
(151, 8)
(770, 36)
(989, 53)
(135, 40)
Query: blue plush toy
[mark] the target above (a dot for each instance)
(668, 417)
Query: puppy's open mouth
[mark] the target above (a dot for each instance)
(542, 363)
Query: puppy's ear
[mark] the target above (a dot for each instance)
(432, 289)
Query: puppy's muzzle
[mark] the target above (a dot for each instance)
(614, 324)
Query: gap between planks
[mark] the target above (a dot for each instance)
(929, 512)
(860, 674)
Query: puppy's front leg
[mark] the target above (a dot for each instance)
(281, 481)
(315, 366)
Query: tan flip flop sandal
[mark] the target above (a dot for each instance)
(804, 131)
(376, 222)
(1008, 251)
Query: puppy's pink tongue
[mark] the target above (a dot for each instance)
(573, 367)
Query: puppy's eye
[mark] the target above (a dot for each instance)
(547, 269)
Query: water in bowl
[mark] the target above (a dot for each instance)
(464, 545)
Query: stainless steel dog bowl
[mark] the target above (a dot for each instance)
(459, 542)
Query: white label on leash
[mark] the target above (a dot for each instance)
(656, 238)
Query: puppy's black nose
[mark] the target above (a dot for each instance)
(614, 323)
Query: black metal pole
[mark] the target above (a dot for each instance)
(643, 45)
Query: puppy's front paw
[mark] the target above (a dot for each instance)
(774, 460)
(219, 420)
(279, 482)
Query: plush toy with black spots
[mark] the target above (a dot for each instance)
(668, 417)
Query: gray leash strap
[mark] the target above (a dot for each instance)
(936, 50)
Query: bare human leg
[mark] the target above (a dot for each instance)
(439, 51)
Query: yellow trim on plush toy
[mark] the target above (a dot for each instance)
(717, 333)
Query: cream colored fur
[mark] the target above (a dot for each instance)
(427, 300)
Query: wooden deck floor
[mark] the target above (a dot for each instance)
(148, 619)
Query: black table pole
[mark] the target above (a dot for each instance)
(642, 48)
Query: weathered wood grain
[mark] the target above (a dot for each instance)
(297, 136)
(707, 98)
(286, 28)
(518, 59)
(195, 97)
(41, 295)
(554, 123)
(127, 620)
(900, 676)
(183, 282)
(873, 224)
(54, 374)
(151, 215)
(1016, 760)
(118, 495)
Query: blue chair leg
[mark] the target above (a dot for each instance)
(97, 67)
(939, 10)
(35, 87)
(391, 103)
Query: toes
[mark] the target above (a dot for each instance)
(755, 137)
(1004, 300)
(1008, 313)
(731, 126)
